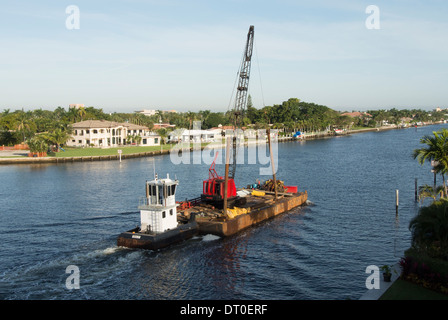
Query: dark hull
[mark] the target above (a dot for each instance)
(135, 239)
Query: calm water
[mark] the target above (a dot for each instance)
(53, 216)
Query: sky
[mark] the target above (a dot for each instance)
(129, 55)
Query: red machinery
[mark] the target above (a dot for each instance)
(213, 188)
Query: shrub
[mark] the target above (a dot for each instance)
(425, 271)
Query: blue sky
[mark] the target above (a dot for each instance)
(134, 54)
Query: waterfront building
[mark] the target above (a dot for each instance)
(185, 135)
(149, 113)
(102, 133)
(163, 126)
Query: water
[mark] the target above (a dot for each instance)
(54, 216)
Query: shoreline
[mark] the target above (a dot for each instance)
(56, 160)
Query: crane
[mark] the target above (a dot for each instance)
(213, 188)
(241, 96)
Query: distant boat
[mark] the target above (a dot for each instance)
(339, 131)
(298, 135)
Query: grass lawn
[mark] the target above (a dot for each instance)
(13, 156)
(405, 290)
(87, 152)
(83, 152)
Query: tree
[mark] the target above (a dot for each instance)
(72, 114)
(37, 144)
(82, 112)
(191, 116)
(428, 191)
(22, 124)
(436, 150)
(129, 138)
(57, 137)
(137, 139)
(214, 119)
(430, 229)
(162, 132)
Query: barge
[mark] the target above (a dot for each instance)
(258, 207)
(164, 222)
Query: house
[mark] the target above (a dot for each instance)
(357, 114)
(221, 129)
(153, 112)
(185, 135)
(102, 133)
(163, 126)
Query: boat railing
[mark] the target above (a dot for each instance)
(145, 203)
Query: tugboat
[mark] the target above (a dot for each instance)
(160, 224)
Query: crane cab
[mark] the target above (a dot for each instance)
(213, 188)
(213, 191)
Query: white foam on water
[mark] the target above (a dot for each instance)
(210, 237)
(111, 250)
(309, 203)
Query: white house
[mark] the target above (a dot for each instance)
(184, 135)
(102, 133)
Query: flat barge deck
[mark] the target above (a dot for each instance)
(256, 209)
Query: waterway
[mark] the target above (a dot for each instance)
(57, 215)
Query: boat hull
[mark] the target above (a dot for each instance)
(139, 240)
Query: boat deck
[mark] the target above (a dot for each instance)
(256, 209)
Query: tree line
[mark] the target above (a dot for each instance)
(20, 126)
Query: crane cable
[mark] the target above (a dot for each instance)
(259, 73)
(229, 107)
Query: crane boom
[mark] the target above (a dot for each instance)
(216, 190)
(241, 95)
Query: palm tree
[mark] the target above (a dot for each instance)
(38, 144)
(190, 117)
(163, 135)
(129, 138)
(427, 191)
(72, 113)
(82, 112)
(137, 139)
(436, 150)
(57, 137)
(22, 123)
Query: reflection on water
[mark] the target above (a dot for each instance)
(55, 215)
